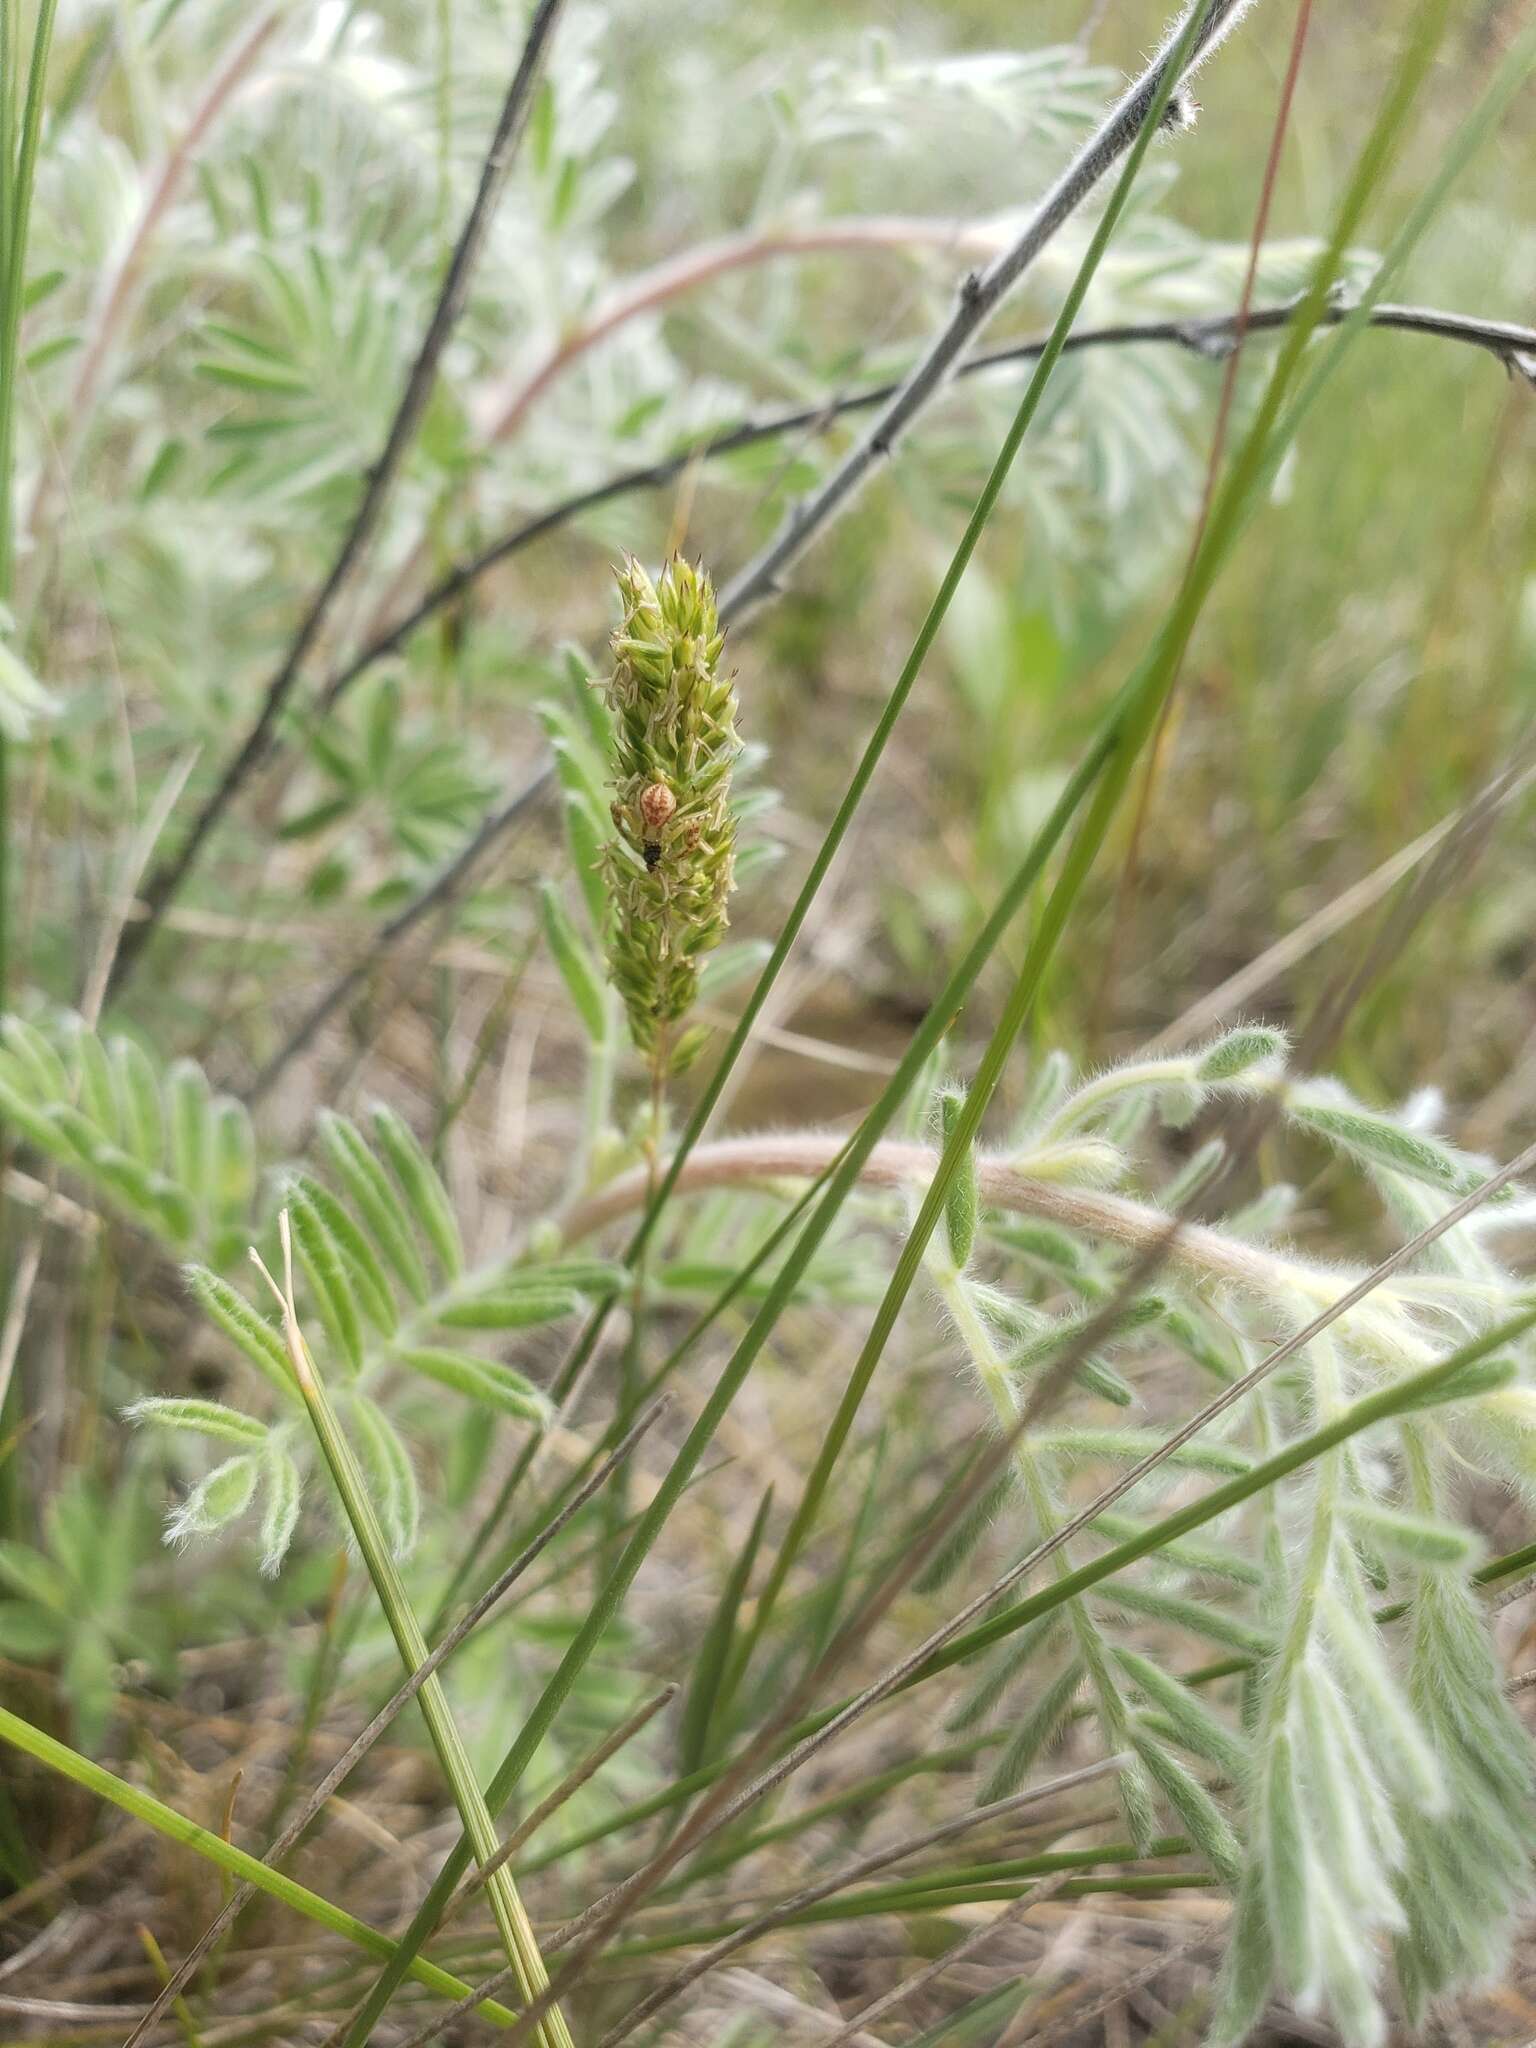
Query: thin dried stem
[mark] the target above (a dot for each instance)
(581, 1773)
(980, 296)
(967, 1946)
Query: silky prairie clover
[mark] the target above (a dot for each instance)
(669, 867)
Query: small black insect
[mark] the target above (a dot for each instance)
(652, 852)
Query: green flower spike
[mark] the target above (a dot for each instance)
(669, 868)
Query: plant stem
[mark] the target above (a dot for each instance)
(1005, 1183)
(1123, 131)
(506, 1906)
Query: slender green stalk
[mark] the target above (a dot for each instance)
(143, 1806)
(917, 1893)
(1129, 728)
(506, 1906)
(844, 1178)
(1131, 1885)
(17, 176)
(7, 160)
(18, 168)
(1111, 742)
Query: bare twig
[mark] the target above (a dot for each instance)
(1210, 337)
(353, 1755)
(980, 296)
(419, 383)
(1513, 345)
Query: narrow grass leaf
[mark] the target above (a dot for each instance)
(695, 1733)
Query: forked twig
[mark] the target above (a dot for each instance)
(1209, 336)
(980, 296)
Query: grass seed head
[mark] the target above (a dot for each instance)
(669, 865)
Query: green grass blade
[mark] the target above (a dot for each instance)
(1127, 733)
(709, 1667)
(901, 690)
(143, 1806)
(18, 168)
